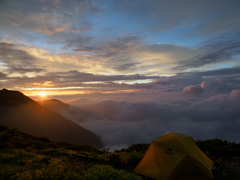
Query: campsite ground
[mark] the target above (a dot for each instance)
(24, 156)
(226, 168)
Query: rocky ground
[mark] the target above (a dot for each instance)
(227, 168)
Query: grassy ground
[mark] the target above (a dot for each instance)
(24, 156)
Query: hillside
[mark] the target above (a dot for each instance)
(54, 105)
(23, 156)
(70, 112)
(18, 110)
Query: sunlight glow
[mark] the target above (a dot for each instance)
(42, 94)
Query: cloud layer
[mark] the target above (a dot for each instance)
(123, 120)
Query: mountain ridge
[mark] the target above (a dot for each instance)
(69, 111)
(54, 104)
(20, 111)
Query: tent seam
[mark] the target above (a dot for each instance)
(203, 166)
(187, 154)
(157, 158)
(181, 143)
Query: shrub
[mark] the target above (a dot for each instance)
(7, 171)
(104, 172)
(14, 157)
(52, 152)
(134, 158)
(4, 136)
(43, 139)
(218, 147)
(140, 147)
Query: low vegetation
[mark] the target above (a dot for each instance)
(24, 156)
(219, 148)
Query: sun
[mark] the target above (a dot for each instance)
(42, 94)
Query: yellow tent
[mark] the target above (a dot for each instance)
(175, 156)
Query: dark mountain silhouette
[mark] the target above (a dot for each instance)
(71, 112)
(18, 110)
(54, 105)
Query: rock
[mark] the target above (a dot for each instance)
(224, 173)
(116, 161)
(26, 170)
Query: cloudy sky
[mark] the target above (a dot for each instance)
(175, 60)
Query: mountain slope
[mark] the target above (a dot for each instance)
(18, 110)
(70, 112)
(54, 105)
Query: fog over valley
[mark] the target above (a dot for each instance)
(124, 119)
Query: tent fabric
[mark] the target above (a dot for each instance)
(175, 156)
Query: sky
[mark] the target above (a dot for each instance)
(175, 61)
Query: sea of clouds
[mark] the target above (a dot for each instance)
(204, 111)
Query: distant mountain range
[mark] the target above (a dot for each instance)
(54, 105)
(20, 111)
(74, 113)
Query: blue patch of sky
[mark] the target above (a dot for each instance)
(212, 67)
(28, 38)
(236, 56)
(40, 41)
(109, 25)
(183, 35)
(174, 38)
